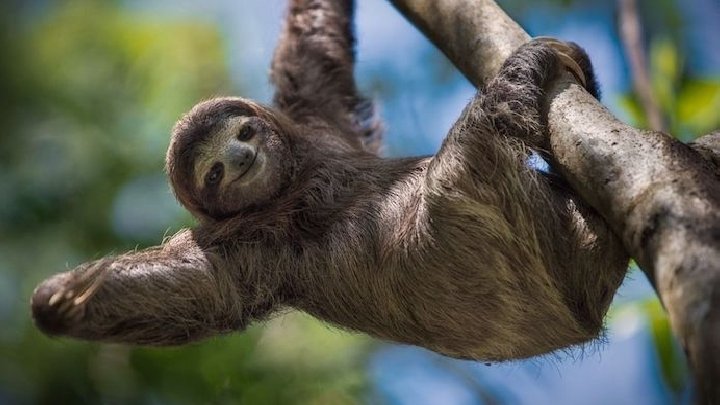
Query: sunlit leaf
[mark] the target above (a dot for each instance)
(632, 107)
(665, 72)
(672, 365)
(699, 106)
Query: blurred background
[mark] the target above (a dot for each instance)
(89, 91)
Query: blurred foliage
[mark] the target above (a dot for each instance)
(671, 362)
(294, 359)
(669, 354)
(690, 104)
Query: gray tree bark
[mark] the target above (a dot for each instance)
(661, 197)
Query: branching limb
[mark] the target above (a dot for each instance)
(658, 194)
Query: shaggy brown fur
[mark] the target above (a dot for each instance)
(470, 252)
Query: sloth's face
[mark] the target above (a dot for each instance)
(236, 153)
(245, 162)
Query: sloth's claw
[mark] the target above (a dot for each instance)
(55, 298)
(75, 312)
(65, 306)
(62, 301)
(563, 52)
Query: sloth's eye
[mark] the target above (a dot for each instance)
(215, 174)
(246, 133)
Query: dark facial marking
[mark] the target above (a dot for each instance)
(215, 174)
(246, 133)
(247, 168)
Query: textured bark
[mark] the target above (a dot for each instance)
(661, 196)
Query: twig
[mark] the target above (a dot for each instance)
(632, 40)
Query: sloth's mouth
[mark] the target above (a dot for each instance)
(247, 169)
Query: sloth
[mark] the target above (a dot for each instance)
(471, 252)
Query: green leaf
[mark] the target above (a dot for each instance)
(664, 72)
(632, 107)
(699, 106)
(672, 364)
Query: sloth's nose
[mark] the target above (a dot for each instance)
(240, 156)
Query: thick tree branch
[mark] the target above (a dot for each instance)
(658, 194)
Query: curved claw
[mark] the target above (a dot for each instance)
(563, 51)
(59, 302)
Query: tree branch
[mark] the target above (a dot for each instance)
(658, 194)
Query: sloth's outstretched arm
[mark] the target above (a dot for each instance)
(313, 71)
(166, 295)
